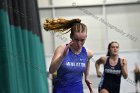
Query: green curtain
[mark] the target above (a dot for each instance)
(22, 60)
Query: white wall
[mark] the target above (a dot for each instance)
(118, 23)
(44, 3)
(126, 19)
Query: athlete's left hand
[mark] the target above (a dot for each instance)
(124, 68)
(123, 62)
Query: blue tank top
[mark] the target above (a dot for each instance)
(72, 68)
(111, 78)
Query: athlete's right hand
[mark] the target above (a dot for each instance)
(66, 49)
(89, 84)
(99, 74)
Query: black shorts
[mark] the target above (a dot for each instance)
(137, 77)
(110, 89)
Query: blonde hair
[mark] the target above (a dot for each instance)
(61, 25)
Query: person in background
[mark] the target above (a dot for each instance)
(114, 68)
(70, 60)
(137, 76)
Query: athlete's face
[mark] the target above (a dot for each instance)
(78, 39)
(114, 48)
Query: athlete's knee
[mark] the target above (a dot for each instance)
(104, 91)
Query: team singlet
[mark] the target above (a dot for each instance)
(111, 78)
(70, 73)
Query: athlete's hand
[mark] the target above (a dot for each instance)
(124, 68)
(66, 48)
(99, 74)
(89, 84)
(123, 63)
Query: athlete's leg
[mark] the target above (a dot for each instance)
(136, 81)
(104, 91)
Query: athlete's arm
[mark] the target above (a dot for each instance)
(124, 68)
(88, 82)
(100, 61)
(60, 52)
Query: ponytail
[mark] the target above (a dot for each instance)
(60, 24)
